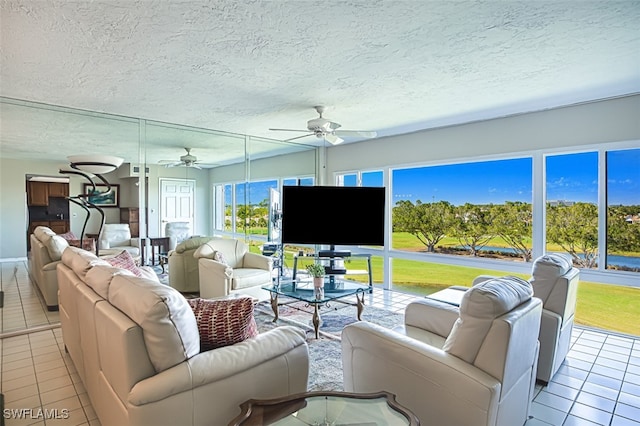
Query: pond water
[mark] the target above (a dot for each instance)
(624, 261)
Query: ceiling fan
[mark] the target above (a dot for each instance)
(187, 160)
(324, 128)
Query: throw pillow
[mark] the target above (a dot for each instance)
(124, 260)
(69, 236)
(219, 257)
(223, 322)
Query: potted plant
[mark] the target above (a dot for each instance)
(316, 270)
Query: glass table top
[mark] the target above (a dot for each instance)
(327, 408)
(302, 289)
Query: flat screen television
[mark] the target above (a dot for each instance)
(333, 215)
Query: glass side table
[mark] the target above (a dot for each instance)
(326, 408)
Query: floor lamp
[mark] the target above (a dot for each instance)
(90, 167)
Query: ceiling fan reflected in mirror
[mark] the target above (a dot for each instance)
(187, 160)
(329, 130)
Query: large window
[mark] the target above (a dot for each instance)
(623, 210)
(572, 206)
(480, 209)
(244, 207)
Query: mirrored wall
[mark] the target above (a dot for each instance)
(37, 138)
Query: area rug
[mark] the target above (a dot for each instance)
(325, 353)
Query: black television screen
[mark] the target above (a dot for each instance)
(333, 215)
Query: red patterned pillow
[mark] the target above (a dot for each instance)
(224, 322)
(68, 236)
(124, 260)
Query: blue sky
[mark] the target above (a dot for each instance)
(570, 177)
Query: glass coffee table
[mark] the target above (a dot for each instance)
(301, 289)
(326, 408)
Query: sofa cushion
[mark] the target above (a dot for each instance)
(249, 277)
(43, 232)
(80, 261)
(224, 322)
(55, 246)
(480, 305)
(169, 326)
(191, 244)
(205, 250)
(125, 261)
(99, 278)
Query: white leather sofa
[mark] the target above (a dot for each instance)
(136, 346)
(226, 266)
(183, 267)
(471, 366)
(46, 251)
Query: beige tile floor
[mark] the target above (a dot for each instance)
(599, 383)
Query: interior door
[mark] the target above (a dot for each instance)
(177, 200)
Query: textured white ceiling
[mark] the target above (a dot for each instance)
(245, 66)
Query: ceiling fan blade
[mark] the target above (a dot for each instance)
(289, 130)
(195, 166)
(333, 139)
(298, 137)
(362, 133)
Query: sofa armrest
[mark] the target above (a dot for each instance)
(214, 277)
(376, 358)
(431, 315)
(51, 266)
(257, 261)
(222, 363)
(134, 242)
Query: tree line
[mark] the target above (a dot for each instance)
(573, 227)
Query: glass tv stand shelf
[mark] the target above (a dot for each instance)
(334, 261)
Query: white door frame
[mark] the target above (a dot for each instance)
(163, 214)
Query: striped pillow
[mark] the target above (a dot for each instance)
(223, 322)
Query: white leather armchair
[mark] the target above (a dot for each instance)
(227, 266)
(555, 282)
(116, 237)
(177, 233)
(469, 366)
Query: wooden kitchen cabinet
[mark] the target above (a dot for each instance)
(60, 190)
(37, 193)
(59, 226)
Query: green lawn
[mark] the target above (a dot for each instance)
(608, 307)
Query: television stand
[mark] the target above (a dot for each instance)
(334, 253)
(331, 272)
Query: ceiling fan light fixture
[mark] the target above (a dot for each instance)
(95, 163)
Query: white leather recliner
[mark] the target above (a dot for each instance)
(474, 365)
(116, 237)
(226, 266)
(555, 282)
(177, 233)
